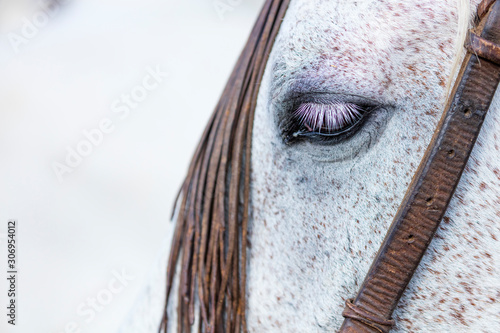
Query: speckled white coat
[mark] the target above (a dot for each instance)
(320, 212)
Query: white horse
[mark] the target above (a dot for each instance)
(320, 209)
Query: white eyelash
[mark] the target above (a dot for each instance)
(329, 117)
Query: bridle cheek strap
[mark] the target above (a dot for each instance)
(434, 183)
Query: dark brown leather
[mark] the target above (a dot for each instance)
(484, 7)
(432, 187)
(483, 48)
(355, 312)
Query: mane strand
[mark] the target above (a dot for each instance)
(210, 239)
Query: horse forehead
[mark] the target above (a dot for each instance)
(370, 47)
(370, 18)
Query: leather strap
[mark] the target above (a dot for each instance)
(484, 7)
(355, 312)
(483, 48)
(434, 183)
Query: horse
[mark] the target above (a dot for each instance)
(348, 102)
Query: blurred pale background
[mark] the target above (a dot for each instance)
(64, 75)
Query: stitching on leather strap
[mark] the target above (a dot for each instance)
(355, 312)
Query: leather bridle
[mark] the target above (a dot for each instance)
(435, 181)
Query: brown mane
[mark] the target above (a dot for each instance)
(210, 237)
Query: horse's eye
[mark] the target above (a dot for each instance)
(331, 119)
(324, 119)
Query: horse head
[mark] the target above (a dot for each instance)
(350, 97)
